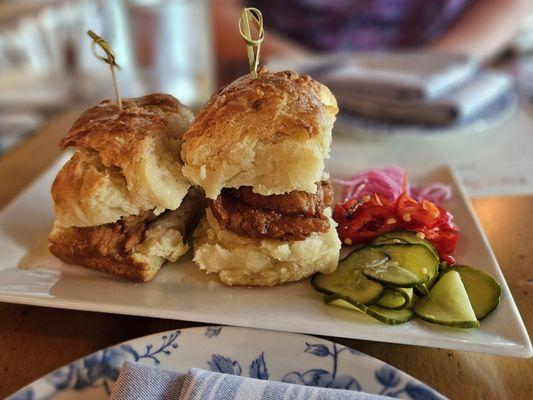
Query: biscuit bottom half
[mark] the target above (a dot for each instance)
(240, 260)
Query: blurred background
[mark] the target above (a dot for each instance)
(47, 65)
(416, 80)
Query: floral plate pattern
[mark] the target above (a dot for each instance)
(260, 354)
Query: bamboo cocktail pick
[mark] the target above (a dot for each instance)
(109, 60)
(253, 46)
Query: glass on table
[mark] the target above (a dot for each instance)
(172, 47)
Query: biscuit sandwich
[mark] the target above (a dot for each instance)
(122, 204)
(257, 148)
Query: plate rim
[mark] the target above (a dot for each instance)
(369, 361)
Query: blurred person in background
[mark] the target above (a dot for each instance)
(479, 28)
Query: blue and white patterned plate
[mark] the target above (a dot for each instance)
(261, 354)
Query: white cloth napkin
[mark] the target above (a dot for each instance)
(140, 382)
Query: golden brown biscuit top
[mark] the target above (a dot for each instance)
(280, 104)
(142, 117)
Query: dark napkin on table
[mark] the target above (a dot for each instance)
(463, 104)
(401, 76)
(426, 88)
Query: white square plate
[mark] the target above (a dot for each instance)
(180, 291)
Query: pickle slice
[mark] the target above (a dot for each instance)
(396, 298)
(387, 316)
(447, 303)
(348, 280)
(404, 237)
(410, 265)
(483, 291)
(390, 317)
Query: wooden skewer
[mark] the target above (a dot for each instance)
(254, 15)
(109, 60)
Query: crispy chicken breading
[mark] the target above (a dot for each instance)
(291, 216)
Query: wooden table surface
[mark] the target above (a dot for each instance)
(35, 340)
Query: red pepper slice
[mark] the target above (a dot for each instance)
(360, 222)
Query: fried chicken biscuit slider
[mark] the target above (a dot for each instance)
(121, 200)
(257, 149)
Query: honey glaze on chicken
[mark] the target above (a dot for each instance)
(291, 216)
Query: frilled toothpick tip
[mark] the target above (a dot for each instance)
(109, 59)
(253, 46)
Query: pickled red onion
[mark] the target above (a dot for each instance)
(436, 192)
(390, 182)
